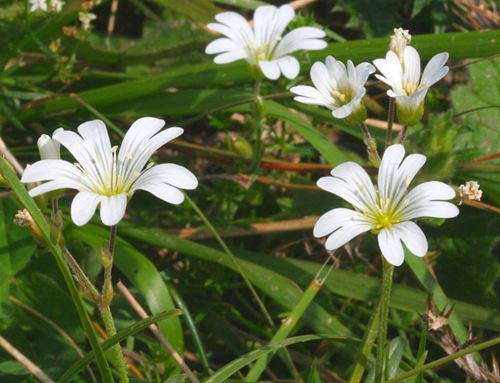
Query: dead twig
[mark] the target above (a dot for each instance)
(27, 363)
(156, 332)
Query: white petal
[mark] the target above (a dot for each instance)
(321, 79)
(345, 234)
(387, 174)
(45, 170)
(113, 209)
(229, 57)
(163, 191)
(139, 132)
(221, 45)
(309, 95)
(270, 69)
(96, 138)
(391, 247)
(334, 219)
(307, 38)
(343, 111)
(413, 237)
(411, 61)
(357, 178)
(432, 209)
(405, 174)
(391, 69)
(83, 207)
(289, 66)
(171, 174)
(53, 185)
(435, 69)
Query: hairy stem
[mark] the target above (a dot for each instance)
(390, 121)
(371, 145)
(385, 296)
(258, 122)
(104, 306)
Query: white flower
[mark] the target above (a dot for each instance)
(56, 5)
(387, 209)
(337, 87)
(263, 45)
(86, 19)
(49, 148)
(399, 40)
(409, 87)
(107, 176)
(38, 5)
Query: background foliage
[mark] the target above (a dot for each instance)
(55, 74)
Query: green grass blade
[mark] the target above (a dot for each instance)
(231, 368)
(286, 328)
(115, 339)
(55, 249)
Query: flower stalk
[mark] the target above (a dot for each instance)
(371, 145)
(104, 306)
(390, 122)
(385, 296)
(258, 123)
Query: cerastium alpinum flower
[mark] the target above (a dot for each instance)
(408, 85)
(263, 46)
(108, 176)
(387, 209)
(338, 87)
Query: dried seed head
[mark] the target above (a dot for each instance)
(470, 191)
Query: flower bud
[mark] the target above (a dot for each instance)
(49, 148)
(470, 191)
(399, 40)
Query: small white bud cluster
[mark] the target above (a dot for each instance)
(399, 40)
(470, 191)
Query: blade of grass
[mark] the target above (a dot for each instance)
(232, 367)
(289, 323)
(115, 339)
(45, 232)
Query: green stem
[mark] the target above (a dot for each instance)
(104, 307)
(446, 359)
(385, 297)
(390, 121)
(402, 135)
(258, 122)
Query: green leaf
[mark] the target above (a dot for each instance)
(55, 249)
(115, 339)
(198, 10)
(16, 246)
(142, 274)
(279, 288)
(231, 368)
(395, 350)
(328, 150)
(483, 91)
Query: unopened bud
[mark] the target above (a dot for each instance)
(49, 148)
(470, 191)
(399, 40)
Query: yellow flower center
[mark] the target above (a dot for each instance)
(410, 88)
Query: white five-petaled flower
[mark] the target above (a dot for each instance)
(386, 209)
(263, 46)
(38, 5)
(107, 176)
(338, 87)
(409, 85)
